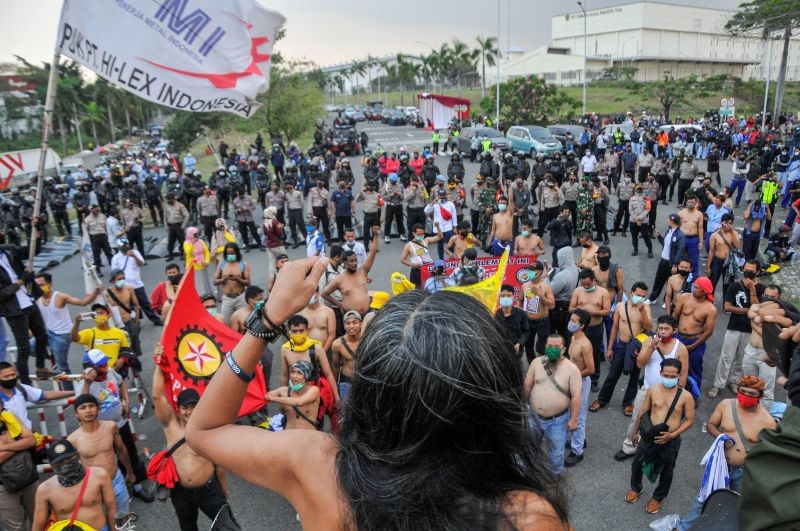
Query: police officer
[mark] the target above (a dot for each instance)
(262, 184)
(81, 200)
(58, 205)
(510, 170)
(455, 168)
(522, 165)
(152, 195)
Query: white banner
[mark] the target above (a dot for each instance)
(192, 55)
(18, 164)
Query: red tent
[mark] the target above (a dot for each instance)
(441, 110)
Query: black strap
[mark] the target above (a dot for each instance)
(549, 371)
(738, 424)
(347, 348)
(23, 391)
(674, 403)
(175, 446)
(299, 413)
(628, 317)
(119, 302)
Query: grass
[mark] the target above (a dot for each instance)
(207, 163)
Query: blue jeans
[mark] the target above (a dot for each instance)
(3, 339)
(738, 184)
(121, 494)
(59, 346)
(579, 435)
(693, 251)
(786, 196)
(344, 390)
(735, 475)
(555, 431)
(440, 244)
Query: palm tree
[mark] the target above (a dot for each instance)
(358, 68)
(487, 48)
(368, 64)
(93, 116)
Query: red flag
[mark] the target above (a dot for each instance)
(195, 344)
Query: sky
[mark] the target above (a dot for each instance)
(352, 29)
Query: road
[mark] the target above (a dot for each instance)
(596, 486)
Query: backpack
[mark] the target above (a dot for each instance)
(470, 276)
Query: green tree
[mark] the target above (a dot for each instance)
(490, 54)
(671, 92)
(186, 127)
(293, 103)
(766, 17)
(531, 100)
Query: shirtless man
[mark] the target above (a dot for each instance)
(200, 485)
(752, 418)
(658, 403)
(697, 316)
(99, 444)
(460, 241)
(299, 400)
(352, 282)
(252, 296)
(123, 297)
(416, 253)
(528, 243)
(556, 405)
(60, 493)
(321, 321)
(582, 355)
(588, 257)
(538, 300)
(210, 304)
(501, 235)
(595, 300)
(719, 247)
(692, 227)
(344, 352)
(680, 282)
(232, 278)
(300, 347)
(755, 361)
(630, 319)
(608, 275)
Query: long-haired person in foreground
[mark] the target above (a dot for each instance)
(436, 432)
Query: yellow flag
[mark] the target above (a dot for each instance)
(487, 290)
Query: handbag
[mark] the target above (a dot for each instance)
(647, 430)
(18, 472)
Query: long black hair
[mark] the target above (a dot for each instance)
(436, 432)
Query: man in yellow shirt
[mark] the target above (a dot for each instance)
(104, 337)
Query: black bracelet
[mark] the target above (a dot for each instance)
(269, 321)
(238, 370)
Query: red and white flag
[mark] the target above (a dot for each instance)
(192, 55)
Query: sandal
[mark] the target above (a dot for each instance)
(596, 405)
(632, 496)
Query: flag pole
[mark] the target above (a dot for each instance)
(47, 126)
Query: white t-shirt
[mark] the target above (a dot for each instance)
(17, 404)
(133, 273)
(447, 225)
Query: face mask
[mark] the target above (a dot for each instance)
(174, 279)
(120, 283)
(309, 229)
(747, 401)
(532, 275)
(749, 274)
(591, 289)
(298, 339)
(683, 272)
(552, 353)
(351, 243)
(420, 238)
(69, 473)
(690, 207)
(604, 261)
(312, 300)
(101, 320)
(295, 387)
(573, 327)
(669, 383)
(230, 257)
(212, 310)
(637, 300)
(502, 207)
(665, 339)
(525, 233)
(9, 384)
(45, 289)
(506, 302)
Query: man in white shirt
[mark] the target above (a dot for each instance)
(588, 163)
(350, 244)
(444, 213)
(129, 261)
(15, 395)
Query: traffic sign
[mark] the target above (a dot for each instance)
(727, 102)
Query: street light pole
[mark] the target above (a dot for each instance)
(497, 87)
(585, 52)
(766, 86)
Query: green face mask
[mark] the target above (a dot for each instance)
(230, 257)
(591, 289)
(525, 233)
(295, 387)
(552, 353)
(420, 238)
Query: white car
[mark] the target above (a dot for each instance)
(678, 127)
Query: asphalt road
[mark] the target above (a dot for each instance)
(596, 486)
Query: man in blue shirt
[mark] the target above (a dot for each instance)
(714, 212)
(344, 208)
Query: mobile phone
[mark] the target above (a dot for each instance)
(779, 350)
(88, 316)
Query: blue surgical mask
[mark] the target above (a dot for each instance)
(532, 275)
(525, 233)
(295, 387)
(573, 327)
(637, 300)
(506, 302)
(502, 207)
(119, 283)
(669, 383)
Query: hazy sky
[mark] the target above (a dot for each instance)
(350, 30)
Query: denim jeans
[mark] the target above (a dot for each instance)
(3, 339)
(555, 431)
(344, 389)
(59, 346)
(121, 494)
(735, 475)
(579, 435)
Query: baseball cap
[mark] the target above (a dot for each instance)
(439, 263)
(442, 192)
(60, 450)
(95, 357)
(188, 396)
(122, 241)
(675, 218)
(351, 313)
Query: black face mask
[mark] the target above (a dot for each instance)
(175, 279)
(749, 274)
(604, 261)
(69, 473)
(9, 384)
(683, 273)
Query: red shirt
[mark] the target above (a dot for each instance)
(417, 165)
(392, 166)
(159, 296)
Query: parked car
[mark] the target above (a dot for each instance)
(330, 107)
(610, 129)
(394, 118)
(375, 113)
(468, 133)
(533, 140)
(560, 132)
